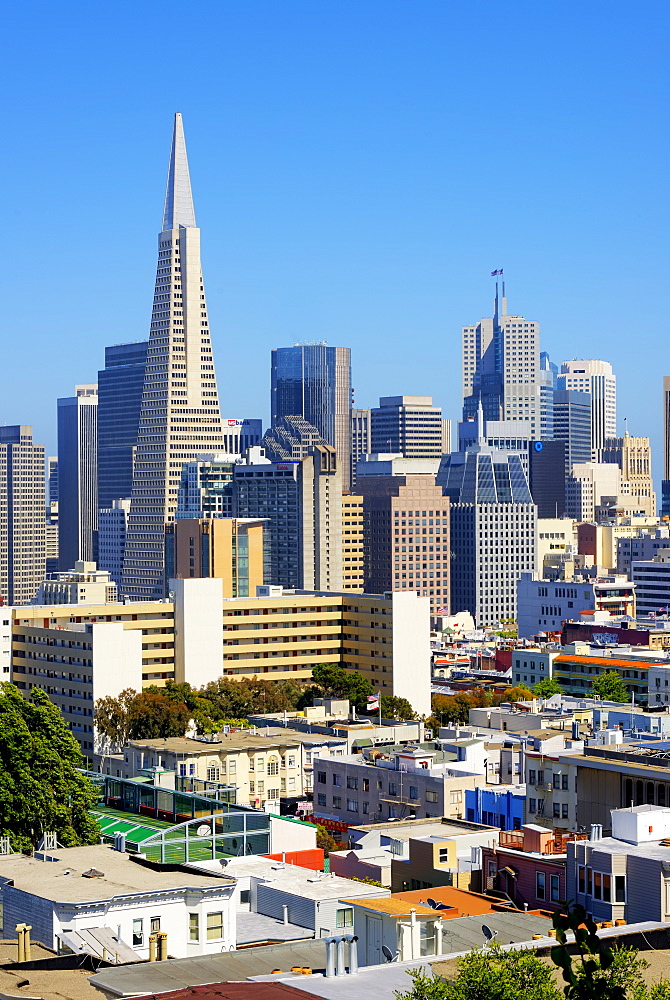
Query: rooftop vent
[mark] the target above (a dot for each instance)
(92, 873)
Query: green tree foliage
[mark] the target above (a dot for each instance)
(148, 715)
(338, 682)
(227, 698)
(610, 687)
(325, 840)
(488, 974)
(547, 687)
(396, 708)
(40, 786)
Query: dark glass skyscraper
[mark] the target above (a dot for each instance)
(313, 381)
(120, 386)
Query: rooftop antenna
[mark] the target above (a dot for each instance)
(488, 934)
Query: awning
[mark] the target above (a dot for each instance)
(508, 870)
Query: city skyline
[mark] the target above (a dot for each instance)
(386, 240)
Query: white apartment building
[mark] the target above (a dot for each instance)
(596, 378)
(85, 584)
(543, 605)
(643, 547)
(652, 584)
(112, 523)
(557, 546)
(532, 665)
(587, 485)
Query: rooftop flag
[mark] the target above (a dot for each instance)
(499, 271)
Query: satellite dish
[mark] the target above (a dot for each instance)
(488, 933)
(388, 954)
(441, 906)
(204, 830)
(432, 902)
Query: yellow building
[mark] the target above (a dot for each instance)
(353, 570)
(226, 547)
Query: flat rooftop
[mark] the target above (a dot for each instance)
(64, 881)
(422, 828)
(244, 739)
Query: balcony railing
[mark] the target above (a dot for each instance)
(514, 839)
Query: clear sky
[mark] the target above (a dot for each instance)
(359, 167)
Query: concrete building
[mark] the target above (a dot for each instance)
(633, 456)
(587, 487)
(546, 477)
(531, 665)
(206, 487)
(504, 435)
(179, 417)
(301, 501)
(401, 551)
(652, 584)
(543, 605)
(120, 385)
(557, 547)
(77, 481)
(353, 543)
(386, 464)
(51, 537)
(240, 434)
(87, 889)
(76, 663)
(225, 547)
(404, 783)
(597, 379)
(642, 547)
(572, 426)
(84, 584)
(501, 367)
(269, 769)
(112, 525)
(493, 531)
(501, 807)
(22, 520)
(578, 665)
(197, 635)
(361, 441)
(313, 381)
(290, 438)
(407, 425)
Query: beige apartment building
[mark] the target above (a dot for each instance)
(273, 765)
(226, 547)
(353, 549)
(406, 525)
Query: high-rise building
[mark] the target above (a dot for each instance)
(353, 543)
(313, 381)
(52, 515)
(406, 532)
(179, 417)
(22, 521)
(548, 375)
(665, 507)
(206, 488)
(572, 425)
(493, 530)
(240, 434)
(302, 502)
(78, 477)
(633, 456)
(120, 386)
(361, 442)
(112, 527)
(407, 425)
(588, 485)
(290, 438)
(225, 547)
(596, 378)
(501, 364)
(546, 477)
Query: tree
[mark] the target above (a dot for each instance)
(338, 682)
(112, 720)
(488, 974)
(610, 687)
(325, 840)
(547, 687)
(152, 715)
(41, 788)
(396, 708)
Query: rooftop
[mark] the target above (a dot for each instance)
(64, 880)
(243, 739)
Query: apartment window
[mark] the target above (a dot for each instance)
(337, 802)
(555, 888)
(540, 885)
(456, 796)
(581, 879)
(564, 782)
(182, 770)
(194, 926)
(352, 782)
(291, 761)
(155, 925)
(352, 805)
(366, 807)
(557, 810)
(392, 788)
(431, 796)
(564, 810)
(138, 933)
(557, 781)
(597, 885)
(531, 805)
(491, 869)
(619, 888)
(213, 773)
(191, 770)
(214, 926)
(321, 799)
(321, 777)
(366, 784)
(344, 918)
(531, 776)
(273, 767)
(607, 888)
(337, 780)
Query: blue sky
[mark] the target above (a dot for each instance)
(359, 167)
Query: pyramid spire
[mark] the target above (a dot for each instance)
(178, 209)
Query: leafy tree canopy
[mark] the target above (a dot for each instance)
(610, 687)
(338, 682)
(148, 715)
(547, 687)
(40, 786)
(394, 707)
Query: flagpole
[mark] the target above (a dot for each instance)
(380, 708)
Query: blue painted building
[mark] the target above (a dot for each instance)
(502, 806)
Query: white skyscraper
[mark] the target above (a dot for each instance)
(180, 416)
(596, 378)
(501, 368)
(77, 476)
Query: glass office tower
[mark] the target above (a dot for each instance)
(120, 386)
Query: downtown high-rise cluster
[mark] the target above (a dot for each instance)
(152, 483)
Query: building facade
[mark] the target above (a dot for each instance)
(313, 381)
(598, 380)
(240, 434)
(179, 416)
(112, 525)
(229, 548)
(353, 543)
(22, 519)
(407, 425)
(77, 481)
(572, 425)
(633, 456)
(120, 385)
(361, 441)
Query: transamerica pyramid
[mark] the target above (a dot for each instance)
(180, 416)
